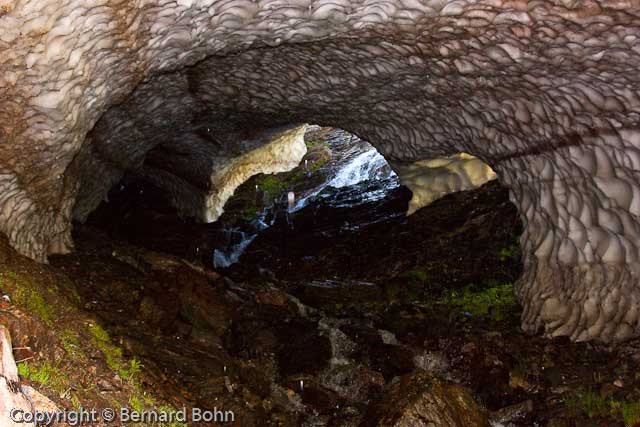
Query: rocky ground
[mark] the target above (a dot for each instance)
(337, 317)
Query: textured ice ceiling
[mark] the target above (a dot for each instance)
(544, 92)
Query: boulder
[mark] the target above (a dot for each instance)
(420, 399)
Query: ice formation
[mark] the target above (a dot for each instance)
(432, 179)
(545, 92)
(276, 151)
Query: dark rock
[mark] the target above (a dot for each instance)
(353, 382)
(314, 395)
(423, 400)
(433, 362)
(391, 360)
(518, 412)
(204, 307)
(558, 422)
(272, 297)
(150, 312)
(331, 292)
(302, 349)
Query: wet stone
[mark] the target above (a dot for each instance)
(519, 412)
(421, 400)
(391, 360)
(353, 382)
(332, 292)
(310, 355)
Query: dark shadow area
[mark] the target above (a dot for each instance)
(341, 312)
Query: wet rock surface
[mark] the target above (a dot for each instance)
(541, 91)
(286, 342)
(364, 317)
(422, 400)
(449, 240)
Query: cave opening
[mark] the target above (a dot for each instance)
(337, 293)
(336, 184)
(324, 305)
(339, 187)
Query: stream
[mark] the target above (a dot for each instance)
(333, 305)
(354, 175)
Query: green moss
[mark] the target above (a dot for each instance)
(116, 404)
(98, 332)
(249, 212)
(596, 405)
(630, 412)
(492, 303)
(136, 404)
(26, 296)
(45, 374)
(131, 372)
(8, 278)
(75, 402)
(271, 185)
(295, 177)
(113, 355)
(508, 252)
(35, 303)
(314, 143)
(23, 370)
(73, 296)
(318, 164)
(70, 343)
(53, 374)
(415, 275)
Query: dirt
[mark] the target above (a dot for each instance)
(318, 330)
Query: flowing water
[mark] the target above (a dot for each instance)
(237, 242)
(358, 170)
(356, 174)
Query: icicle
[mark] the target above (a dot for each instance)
(291, 199)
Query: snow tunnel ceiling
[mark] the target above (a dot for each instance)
(545, 92)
